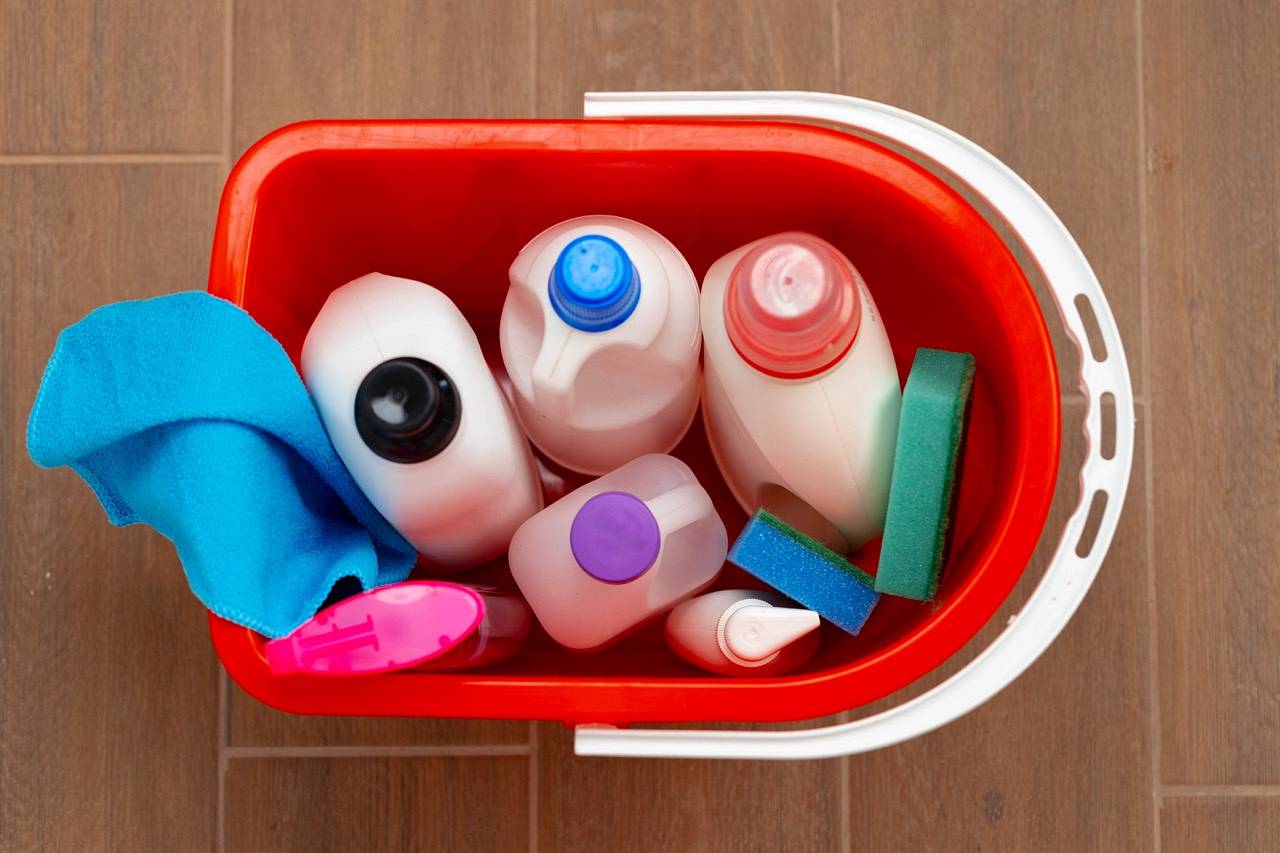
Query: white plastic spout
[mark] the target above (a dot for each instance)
(758, 630)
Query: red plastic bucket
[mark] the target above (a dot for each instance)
(452, 202)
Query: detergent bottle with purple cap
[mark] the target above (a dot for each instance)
(618, 552)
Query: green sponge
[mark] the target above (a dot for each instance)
(924, 467)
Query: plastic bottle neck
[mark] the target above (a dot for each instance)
(594, 285)
(793, 306)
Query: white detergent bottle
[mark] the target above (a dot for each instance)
(618, 551)
(404, 392)
(600, 337)
(743, 632)
(800, 390)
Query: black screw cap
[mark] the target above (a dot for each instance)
(407, 410)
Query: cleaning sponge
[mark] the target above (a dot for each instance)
(924, 464)
(804, 570)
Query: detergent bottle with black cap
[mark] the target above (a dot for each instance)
(410, 405)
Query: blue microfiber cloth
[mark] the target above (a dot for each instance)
(804, 570)
(183, 413)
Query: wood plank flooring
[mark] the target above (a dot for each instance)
(1152, 724)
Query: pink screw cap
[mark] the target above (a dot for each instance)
(792, 308)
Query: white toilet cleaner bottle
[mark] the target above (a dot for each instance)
(743, 632)
(600, 337)
(410, 405)
(801, 392)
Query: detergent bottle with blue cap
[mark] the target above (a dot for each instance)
(600, 336)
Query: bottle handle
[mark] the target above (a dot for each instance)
(680, 507)
(555, 372)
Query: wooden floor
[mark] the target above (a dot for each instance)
(1154, 722)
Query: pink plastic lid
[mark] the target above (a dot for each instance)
(792, 308)
(388, 628)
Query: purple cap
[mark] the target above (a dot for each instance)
(615, 537)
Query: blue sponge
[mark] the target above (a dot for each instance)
(804, 570)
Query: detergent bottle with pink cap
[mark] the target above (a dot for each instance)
(800, 391)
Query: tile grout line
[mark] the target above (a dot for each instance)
(532, 767)
(1153, 639)
(234, 753)
(1220, 791)
(141, 159)
(846, 838)
(1076, 400)
(228, 55)
(835, 45)
(224, 725)
(533, 58)
(224, 688)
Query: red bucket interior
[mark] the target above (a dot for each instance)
(451, 203)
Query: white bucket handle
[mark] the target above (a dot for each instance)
(1069, 575)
